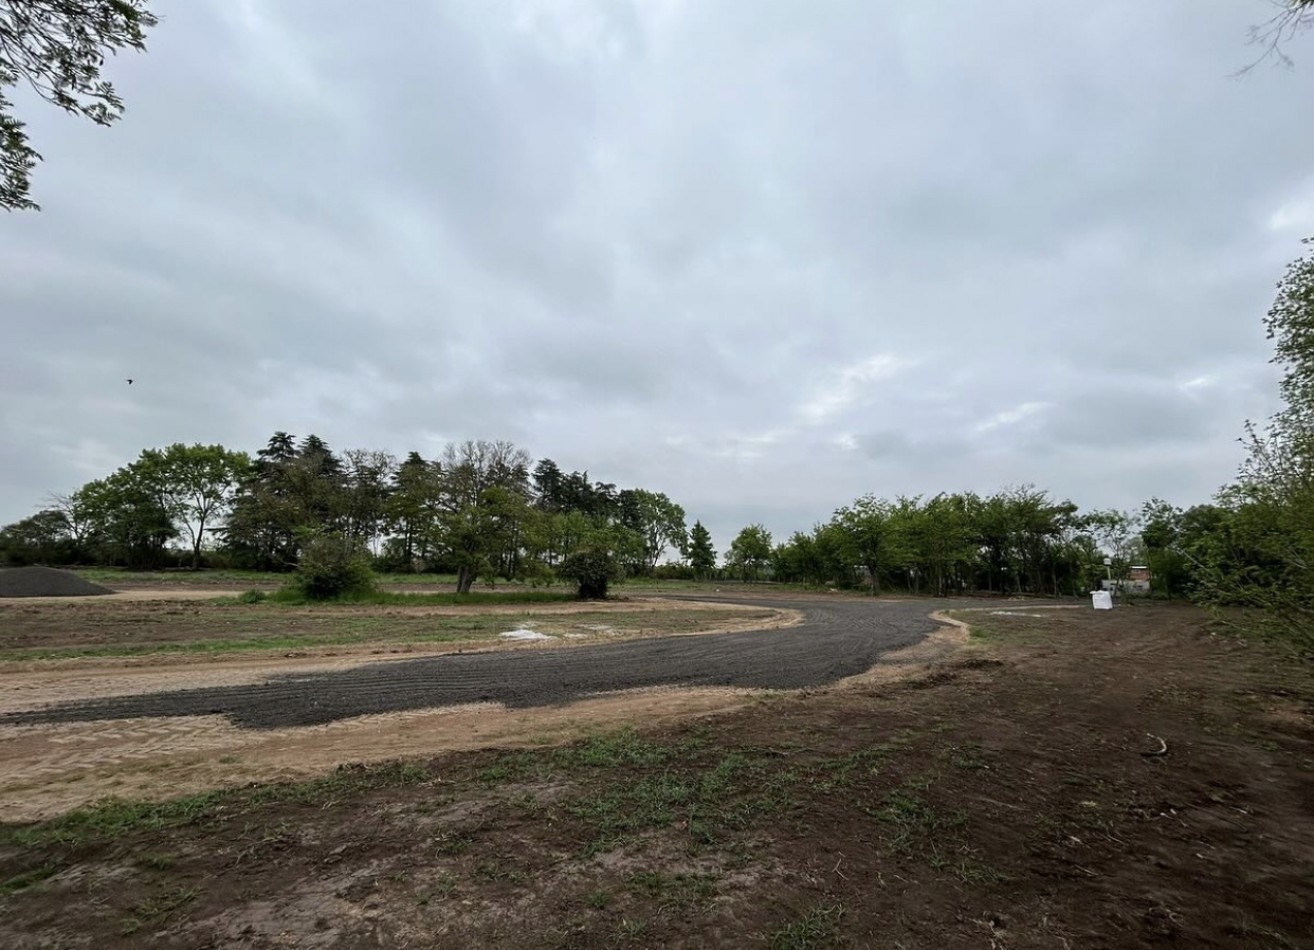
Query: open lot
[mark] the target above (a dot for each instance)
(155, 623)
(1064, 779)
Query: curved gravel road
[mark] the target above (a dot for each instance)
(839, 637)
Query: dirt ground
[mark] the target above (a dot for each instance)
(48, 769)
(189, 623)
(1065, 779)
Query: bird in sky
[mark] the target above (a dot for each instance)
(129, 382)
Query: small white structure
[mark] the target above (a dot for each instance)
(1101, 599)
(1136, 582)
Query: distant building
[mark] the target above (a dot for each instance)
(1137, 581)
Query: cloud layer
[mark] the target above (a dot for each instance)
(762, 263)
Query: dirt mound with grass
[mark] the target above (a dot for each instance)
(46, 582)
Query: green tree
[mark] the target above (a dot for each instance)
(290, 489)
(195, 484)
(947, 541)
(701, 554)
(548, 480)
(1161, 532)
(657, 520)
(58, 48)
(868, 537)
(77, 519)
(411, 511)
(483, 501)
(42, 538)
(1117, 535)
(130, 525)
(367, 486)
(598, 558)
(1270, 529)
(750, 552)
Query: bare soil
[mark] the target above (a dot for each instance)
(1074, 779)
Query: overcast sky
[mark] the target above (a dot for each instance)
(762, 256)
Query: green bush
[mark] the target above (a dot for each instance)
(251, 597)
(333, 565)
(592, 568)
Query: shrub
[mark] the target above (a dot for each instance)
(592, 568)
(333, 565)
(251, 597)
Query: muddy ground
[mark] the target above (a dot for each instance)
(1073, 779)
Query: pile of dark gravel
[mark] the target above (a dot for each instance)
(46, 582)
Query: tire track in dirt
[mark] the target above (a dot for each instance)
(838, 638)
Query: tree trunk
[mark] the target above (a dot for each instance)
(465, 579)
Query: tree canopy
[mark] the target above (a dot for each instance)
(57, 47)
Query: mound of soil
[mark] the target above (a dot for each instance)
(46, 582)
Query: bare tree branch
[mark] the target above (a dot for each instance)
(1293, 17)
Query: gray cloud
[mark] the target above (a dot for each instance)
(762, 263)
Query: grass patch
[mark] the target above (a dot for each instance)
(442, 886)
(627, 808)
(26, 879)
(177, 578)
(708, 802)
(219, 628)
(967, 756)
(382, 598)
(115, 818)
(630, 930)
(157, 861)
(226, 645)
(819, 927)
(453, 844)
(987, 628)
(674, 891)
(655, 785)
(915, 825)
(157, 909)
(493, 870)
(624, 748)
(918, 829)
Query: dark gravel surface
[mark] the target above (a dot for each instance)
(839, 637)
(46, 582)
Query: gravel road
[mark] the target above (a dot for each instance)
(839, 637)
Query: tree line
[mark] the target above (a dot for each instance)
(1016, 541)
(477, 510)
(1251, 546)
(480, 510)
